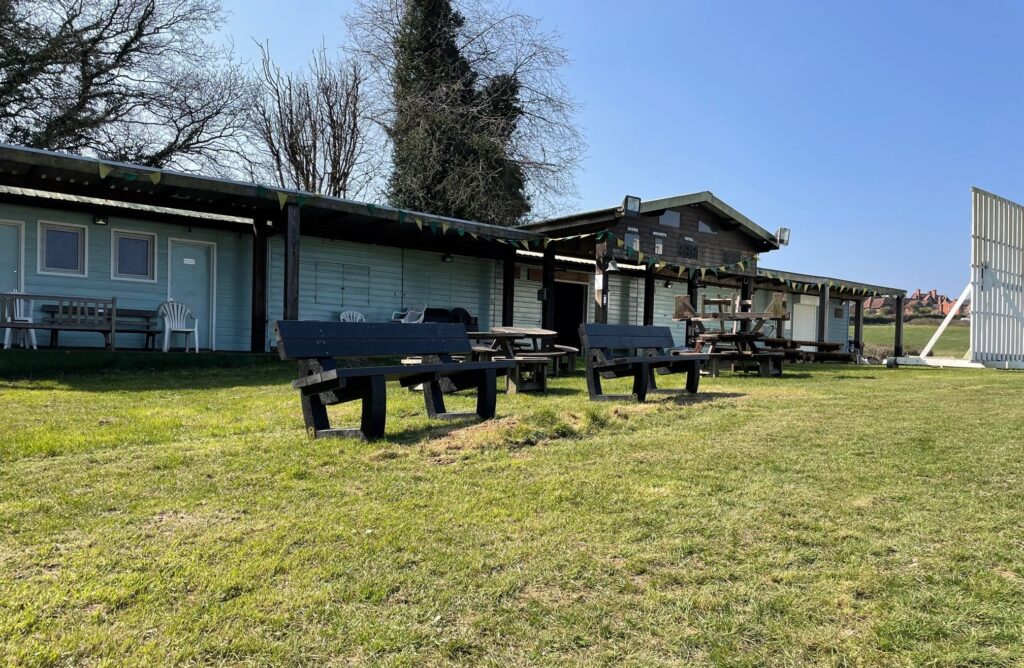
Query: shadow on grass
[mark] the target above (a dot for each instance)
(686, 399)
(102, 371)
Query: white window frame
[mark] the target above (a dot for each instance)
(41, 249)
(114, 275)
(20, 226)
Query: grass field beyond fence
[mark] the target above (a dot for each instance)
(837, 516)
(954, 341)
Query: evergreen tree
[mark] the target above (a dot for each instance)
(450, 137)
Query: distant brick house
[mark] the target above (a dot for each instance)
(932, 302)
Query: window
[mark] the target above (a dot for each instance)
(133, 256)
(688, 250)
(659, 246)
(670, 219)
(633, 240)
(706, 227)
(62, 249)
(839, 313)
(730, 257)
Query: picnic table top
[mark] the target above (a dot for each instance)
(738, 315)
(513, 333)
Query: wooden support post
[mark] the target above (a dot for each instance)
(258, 323)
(823, 300)
(547, 318)
(291, 263)
(693, 291)
(858, 325)
(746, 294)
(649, 296)
(897, 348)
(508, 289)
(601, 284)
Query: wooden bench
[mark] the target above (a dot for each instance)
(322, 382)
(129, 321)
(68, 314)
(648, 350)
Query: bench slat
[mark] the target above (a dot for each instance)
(398, 371)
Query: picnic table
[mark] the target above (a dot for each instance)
(735, 344)
(530, 372)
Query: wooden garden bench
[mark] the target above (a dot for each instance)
(647, 350)
(67, 314)
(322, 381)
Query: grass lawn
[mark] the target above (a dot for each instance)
(954, 342)
(838, 516)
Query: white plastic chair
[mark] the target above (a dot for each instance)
(22, 313)
(176, 316)
(411, 316)
(351, 316)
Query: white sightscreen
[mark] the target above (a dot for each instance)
(997, 280)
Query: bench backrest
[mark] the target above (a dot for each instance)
(68, 311)
(84, 311)
(632, 337)
(307, 339)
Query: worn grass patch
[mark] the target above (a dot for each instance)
(837, 516)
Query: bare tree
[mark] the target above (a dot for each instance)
(134, 80)
(307, 128)
(498, 42)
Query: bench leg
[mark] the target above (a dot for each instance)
(593, 383)
(375, 408)
(693, 378)
(512, 380)
(487, 394)
(641, 377)
(314, 413)
(433, 397)
(372, 392)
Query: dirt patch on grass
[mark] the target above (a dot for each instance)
(176, 521)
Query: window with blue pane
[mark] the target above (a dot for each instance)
(134, 256)
(63, 249)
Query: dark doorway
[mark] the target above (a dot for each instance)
(570, 311)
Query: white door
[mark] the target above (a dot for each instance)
(805, 324)
(190, 279)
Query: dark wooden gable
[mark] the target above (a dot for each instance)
(689, 235)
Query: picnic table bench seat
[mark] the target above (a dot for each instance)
(322, 381)
(648, 350)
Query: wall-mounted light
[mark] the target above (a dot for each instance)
(782, 236)
(447, 257)
(612, 267)
(668, 284)
(99, 220)
(631, 205)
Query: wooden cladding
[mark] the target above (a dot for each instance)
(685, 234)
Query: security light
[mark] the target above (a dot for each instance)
(99, 220)
(631, 205)
(782, 236)
(612, 267)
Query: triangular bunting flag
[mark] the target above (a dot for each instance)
(105, 171)
(444, 228)
(282, 199)
(461, 232)
(419, 223)
(154, 177)
(130, 176)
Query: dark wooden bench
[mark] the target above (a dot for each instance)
(322, 381)
(619, 351)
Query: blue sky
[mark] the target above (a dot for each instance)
(860, 126)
